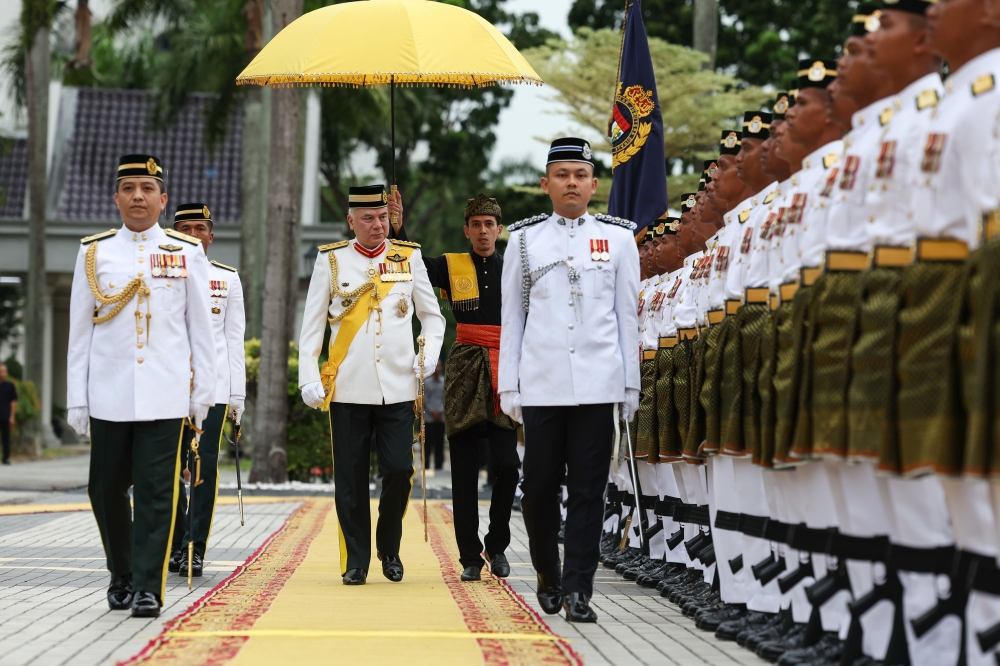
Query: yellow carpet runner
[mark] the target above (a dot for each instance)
(286, 604)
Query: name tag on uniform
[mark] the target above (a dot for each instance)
(599, 250)
(395, 271)
(168, 265)
(219, 288)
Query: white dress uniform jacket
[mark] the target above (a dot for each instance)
(674, 286)
(570, 348)
(378, 367)
(652, 304)
(229, 322)
(763, 219)
(727, 252)
(127, 370)
(685, 310)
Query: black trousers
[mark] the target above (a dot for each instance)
(205, 495)
(465, 465)
(144, 455)
(434, 432)
(5, 438)
(574, 443)
(351, 428)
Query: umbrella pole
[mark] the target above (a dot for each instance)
(392, 133)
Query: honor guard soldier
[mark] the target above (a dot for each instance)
(569, 351)
(369, 289)
(140, 325)
(472, 411)
(228, 326)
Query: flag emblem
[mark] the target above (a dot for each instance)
(628, 134)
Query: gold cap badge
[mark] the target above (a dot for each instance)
(151, 166)
(204, 211)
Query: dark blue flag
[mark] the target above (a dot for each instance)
(639, 185)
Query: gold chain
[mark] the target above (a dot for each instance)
(354, 296)
(119, 300)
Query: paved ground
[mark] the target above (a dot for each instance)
(56, 474)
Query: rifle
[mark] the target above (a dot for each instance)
(194, 469)
(236, 450)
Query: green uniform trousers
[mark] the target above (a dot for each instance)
(143, 455)
(351, 429)
(206, 494)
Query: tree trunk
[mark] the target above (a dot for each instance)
(37, 79)
(270, 455)
(706, 29)
(253, 212)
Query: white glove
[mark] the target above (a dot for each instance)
(78, 419)
(236, 407)
(510, 404)
(631, 404)
(313, 394)
(197, 413)
(430, 365)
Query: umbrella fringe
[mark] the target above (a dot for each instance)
(465, 80)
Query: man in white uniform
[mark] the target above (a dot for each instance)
(138, 330)
(369, 289)
(569, 350)
(228, 327)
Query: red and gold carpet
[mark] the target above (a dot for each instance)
(286, 604)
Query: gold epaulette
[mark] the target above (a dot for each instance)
(184, 237)
(404, 243)
(96, 237)
(223, 266)
(333, 246)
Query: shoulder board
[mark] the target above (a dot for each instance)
(403, 243)
(184, 237)
(333, 246)
(223, 266)
(771, 197)
(609, 219)
(527, 222)
(96, 237)
(983, 84)
(927, 99)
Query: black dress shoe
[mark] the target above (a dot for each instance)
(549, 593)
(577, 607)
(472, 573)
(355, 577)
(499, 565)
(144, 604)
(120, 593)
(174, 565)
(392, 568)
(197, 566)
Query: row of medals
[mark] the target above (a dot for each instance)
(219, 289)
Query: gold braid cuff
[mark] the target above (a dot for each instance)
(119, 300)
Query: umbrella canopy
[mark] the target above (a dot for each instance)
(379, 42)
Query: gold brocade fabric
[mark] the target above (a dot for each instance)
(764, 455)
(743, 354)
(931, 418)
(696, 421)
(982, 448)
(730, 380)
(646, 442)
(682, 387)
(468, 390)
(871, 400)
(834, 321)
(462, 282)
(788, 375)
(669, 438)
(975, 455)
(710, 393)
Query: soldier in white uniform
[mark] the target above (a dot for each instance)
(138, 330)
(228, 326)
(369, 289)
(569, 350)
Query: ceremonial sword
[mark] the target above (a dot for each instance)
(637, 509)
(194, 473)
(236, 449)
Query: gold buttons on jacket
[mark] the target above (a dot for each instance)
(140, 361)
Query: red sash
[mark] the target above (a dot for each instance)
(483, 335)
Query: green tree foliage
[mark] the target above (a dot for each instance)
(696, 104)
(760, 41)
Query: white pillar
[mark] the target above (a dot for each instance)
(310, 168)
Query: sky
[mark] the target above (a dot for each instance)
(532, 113)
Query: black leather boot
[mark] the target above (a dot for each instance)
(549, 593)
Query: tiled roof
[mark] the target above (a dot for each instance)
(111, 123)
(14, 178)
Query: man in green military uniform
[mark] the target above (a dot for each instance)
(132, 387)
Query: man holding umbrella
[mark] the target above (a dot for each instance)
(569, 350)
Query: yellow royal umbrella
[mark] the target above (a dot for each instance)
(389, 42)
